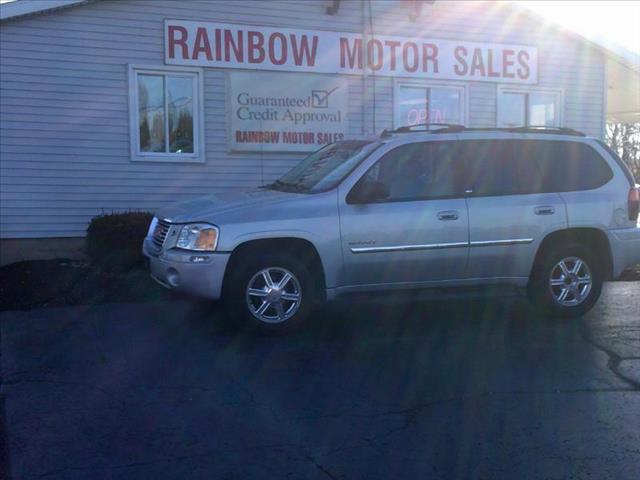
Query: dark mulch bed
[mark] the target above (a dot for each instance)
(57, 283)
(54, 283)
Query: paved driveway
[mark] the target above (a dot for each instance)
(380, 390)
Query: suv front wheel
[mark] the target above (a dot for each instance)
(271, 292)
(567, 282)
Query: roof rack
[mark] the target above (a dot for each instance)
(455, 128)
(425, 127)
(547, 129)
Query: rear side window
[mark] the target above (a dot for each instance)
(511, 167)
(561, 166)
(489, 169)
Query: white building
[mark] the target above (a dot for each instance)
(127, 105)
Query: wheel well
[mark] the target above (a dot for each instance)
(301, 249)
(593, 238)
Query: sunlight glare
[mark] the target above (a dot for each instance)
(608, 21)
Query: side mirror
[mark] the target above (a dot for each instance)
(368, 192)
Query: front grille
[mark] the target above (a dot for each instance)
(160, 233)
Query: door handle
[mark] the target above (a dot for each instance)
(448, 215)
(545, 210)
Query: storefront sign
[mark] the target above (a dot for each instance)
(286, 113)
(283, 49)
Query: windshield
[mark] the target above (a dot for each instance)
(325, 168)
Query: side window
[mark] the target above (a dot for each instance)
(619, 161)
(567, 166)
(530, 177)
(523, 107)
(416, 171)
(488, 167)
(165, 121)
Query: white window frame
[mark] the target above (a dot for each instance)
(557, 92)
(461, 87)
(198, 155)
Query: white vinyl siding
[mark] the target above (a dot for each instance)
(65, 140)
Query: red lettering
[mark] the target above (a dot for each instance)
(302, 50)
(405, 56)
(461, 68)
(173, 41)
(492, 72)
(507, 63)
(477, 63)
(523, 59)
(243, 136)
(272, 48)
(255, 41)
(392, 44)
(378, 64)
(201, 44)
(350, 55)
(429, 54)
(218, 36)
(235, 45)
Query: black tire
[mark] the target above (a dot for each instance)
(547, 297)
(235, 300)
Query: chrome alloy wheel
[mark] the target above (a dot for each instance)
(570, 281)
(273, 295)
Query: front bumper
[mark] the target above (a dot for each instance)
(175, 269)
(625, 248)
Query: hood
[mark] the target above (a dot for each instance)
(209, 206)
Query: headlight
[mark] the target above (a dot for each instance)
(201, 237)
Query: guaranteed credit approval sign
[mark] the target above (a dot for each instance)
(272, 112)
(224, 45)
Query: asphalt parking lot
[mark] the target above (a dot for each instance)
(372, 390)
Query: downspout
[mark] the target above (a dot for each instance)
(365, 89)
(373, 75)
(605, 98)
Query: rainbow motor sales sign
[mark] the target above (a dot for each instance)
(224, 45)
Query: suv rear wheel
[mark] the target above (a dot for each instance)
(271, 293)
(567, 282)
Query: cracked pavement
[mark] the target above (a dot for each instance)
(371, 390)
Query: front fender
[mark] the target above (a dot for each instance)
(327, 246)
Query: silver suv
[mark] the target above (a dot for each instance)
(547, 210)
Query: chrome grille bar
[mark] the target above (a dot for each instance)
(160, 233)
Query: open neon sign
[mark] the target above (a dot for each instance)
(423, 115)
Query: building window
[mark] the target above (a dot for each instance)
(420, 103)
(518, 108)
(165, 114)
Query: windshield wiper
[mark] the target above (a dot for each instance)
(294, 186)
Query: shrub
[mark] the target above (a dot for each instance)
(114, 241)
